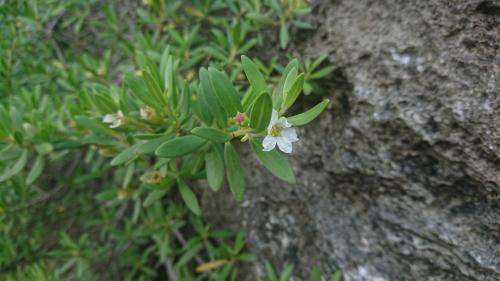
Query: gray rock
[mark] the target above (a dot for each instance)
(399, 179)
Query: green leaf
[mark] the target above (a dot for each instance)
(226, 93)
(202, 110)
(208, 98)
(129, 173)
(151, 145)
(164, 63)
(278, 94)
(261, 111)
(93, 125)
(322, 72)
(154, 88)
(171, 83)
(139, 89)
(270, 272)
(36, 170)
(337, 276)
(274, 162)
(19, 138)
(211, 134)
(283, 35)
(44, 148)
(124, 156)
(154, 196)
(259, 18)
(316, 275)
(104, 103)
(214, 165)
(180, 146)
(189, 198)
(310, 115)
(189, 254)
(9, 152)
(184, 102)
(303, 24)
(106, 195)
(246, 257)
(234, 172)
(290, 79)
(293, 93)
(287, 273)
(317, 61)
(152, 69)
(124, 98)
(18, 167)
(192, 164)
(255, 78)
(253, 74)
(17, 119)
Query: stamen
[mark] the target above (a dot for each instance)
(275, 131)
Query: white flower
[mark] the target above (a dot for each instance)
(147, 113)
(115, 119)
(279, 132)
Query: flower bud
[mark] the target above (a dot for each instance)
(147, 113)
(240, 118)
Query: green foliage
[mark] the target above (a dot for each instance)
(274, 162)
(114, 116)
(286, 275)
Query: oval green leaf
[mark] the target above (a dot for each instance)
(36, 170)
(293, 93)
(283, 35)
(214, 164)
(255, 78)
(226, 93)
(274, 162)
(154, 88)
(208, 98)
(180, 146)
(123, 156)
(189, 198)
(151, 145)
(154, 196)
(261, 111)
(211, 134)
(139, 89)
(310, 115)
(93, 125)
(18, 167)
(278, 94)
(234, 172)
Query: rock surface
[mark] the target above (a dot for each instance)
(400, 179)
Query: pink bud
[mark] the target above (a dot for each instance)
(240, 118)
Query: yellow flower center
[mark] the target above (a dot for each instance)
(275, 131)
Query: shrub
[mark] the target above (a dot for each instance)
(113, 117)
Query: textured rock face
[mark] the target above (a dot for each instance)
(400, 179)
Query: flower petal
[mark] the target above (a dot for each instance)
(274, 120)
(274, 116)
(290, 134)
(285, 145)
(268, 143)
(116, 123)
(108, 118)
(284, 122)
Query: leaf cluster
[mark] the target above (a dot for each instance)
(82, 201)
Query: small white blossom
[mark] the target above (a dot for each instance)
(147, 113)
(115, 119)
(281, 133)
